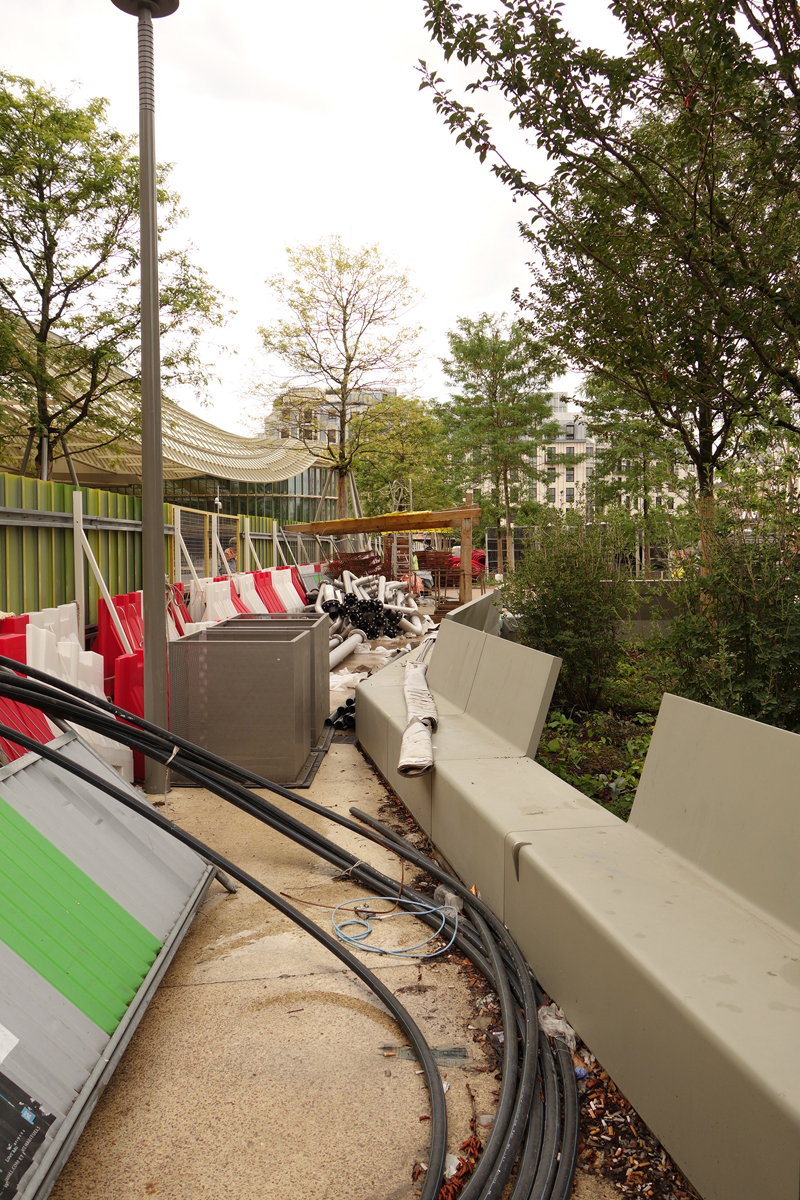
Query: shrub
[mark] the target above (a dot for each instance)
(570, 594)
(736, 637)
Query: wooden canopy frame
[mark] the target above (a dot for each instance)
(408, 522)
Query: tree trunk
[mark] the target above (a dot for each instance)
(509, 530)
(341, 495)
(705, 511)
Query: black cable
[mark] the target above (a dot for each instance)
(503, 967)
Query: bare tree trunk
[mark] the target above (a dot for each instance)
(341, 495)
(509, 530)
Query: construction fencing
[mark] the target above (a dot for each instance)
(38, 556)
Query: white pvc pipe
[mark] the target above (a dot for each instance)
(347, 647)
(382, 588)
(413, 626)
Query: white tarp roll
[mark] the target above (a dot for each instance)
(416, 749)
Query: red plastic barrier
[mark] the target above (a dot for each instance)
(20, 716)
(238, 603)
(14, 645)
(129, 694)
(267, 592)
(178, 606)
(14, 624)
(107, 642)
(297, 581)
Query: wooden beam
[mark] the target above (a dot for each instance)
(398, 522)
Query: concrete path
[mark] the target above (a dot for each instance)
(262, 1068)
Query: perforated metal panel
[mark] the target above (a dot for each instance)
(246, 697)
(320, 698)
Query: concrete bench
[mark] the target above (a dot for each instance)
(492, 697)
(673, 941)
(482, 613)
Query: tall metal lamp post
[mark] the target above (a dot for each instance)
(155, 641)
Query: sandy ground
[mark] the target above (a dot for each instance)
(262, 1067)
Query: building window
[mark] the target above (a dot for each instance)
(331, 437)
(569, 431)
(589, 473)
(551, 495)
(570, 495)
(551, 453)
(570, 451)
(551, 473)
(670, 502)
(570, 474)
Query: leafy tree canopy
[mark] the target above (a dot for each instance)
(69, 282)
(667, 231)
(343, 333)
(499, 412)
(404, 464)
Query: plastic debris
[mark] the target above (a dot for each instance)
(443, 897)
(553, 1022)
(451, 1165)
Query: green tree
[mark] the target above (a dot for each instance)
(69, 314)
(570, 594)
(343, 334)
(636, 463)
(668, 228)
(404, 462)
(498, 414)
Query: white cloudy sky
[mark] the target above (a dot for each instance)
(290, 122)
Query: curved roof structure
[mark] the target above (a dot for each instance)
(191, 447)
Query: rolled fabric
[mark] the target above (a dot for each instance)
(419, 701)
(416, 750)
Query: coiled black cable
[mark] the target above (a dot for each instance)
(529, 1108)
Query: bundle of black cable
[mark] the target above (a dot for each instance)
(536, 1123)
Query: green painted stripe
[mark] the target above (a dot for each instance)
(66, 927)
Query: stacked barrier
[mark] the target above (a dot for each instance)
(49, 641)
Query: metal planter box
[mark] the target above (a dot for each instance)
(320, 655)
(245, 696)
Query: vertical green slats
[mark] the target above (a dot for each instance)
(66, 927)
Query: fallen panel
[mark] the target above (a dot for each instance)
(94, 901)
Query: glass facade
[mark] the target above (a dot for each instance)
(288, 501)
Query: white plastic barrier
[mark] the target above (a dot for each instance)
(82, 668)
(287, 592)
(246, 587)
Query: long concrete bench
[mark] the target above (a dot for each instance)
(492, 697)
(672, 941)
(482, 613)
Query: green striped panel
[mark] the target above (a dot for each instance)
(66, 927)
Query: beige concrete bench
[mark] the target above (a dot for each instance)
(492, 697)
(672, 941)
(482, 613)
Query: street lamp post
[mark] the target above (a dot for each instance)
(153, 599)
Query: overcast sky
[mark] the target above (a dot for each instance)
(290, 122)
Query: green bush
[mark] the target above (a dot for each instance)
(736, 637)
(570, 595)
